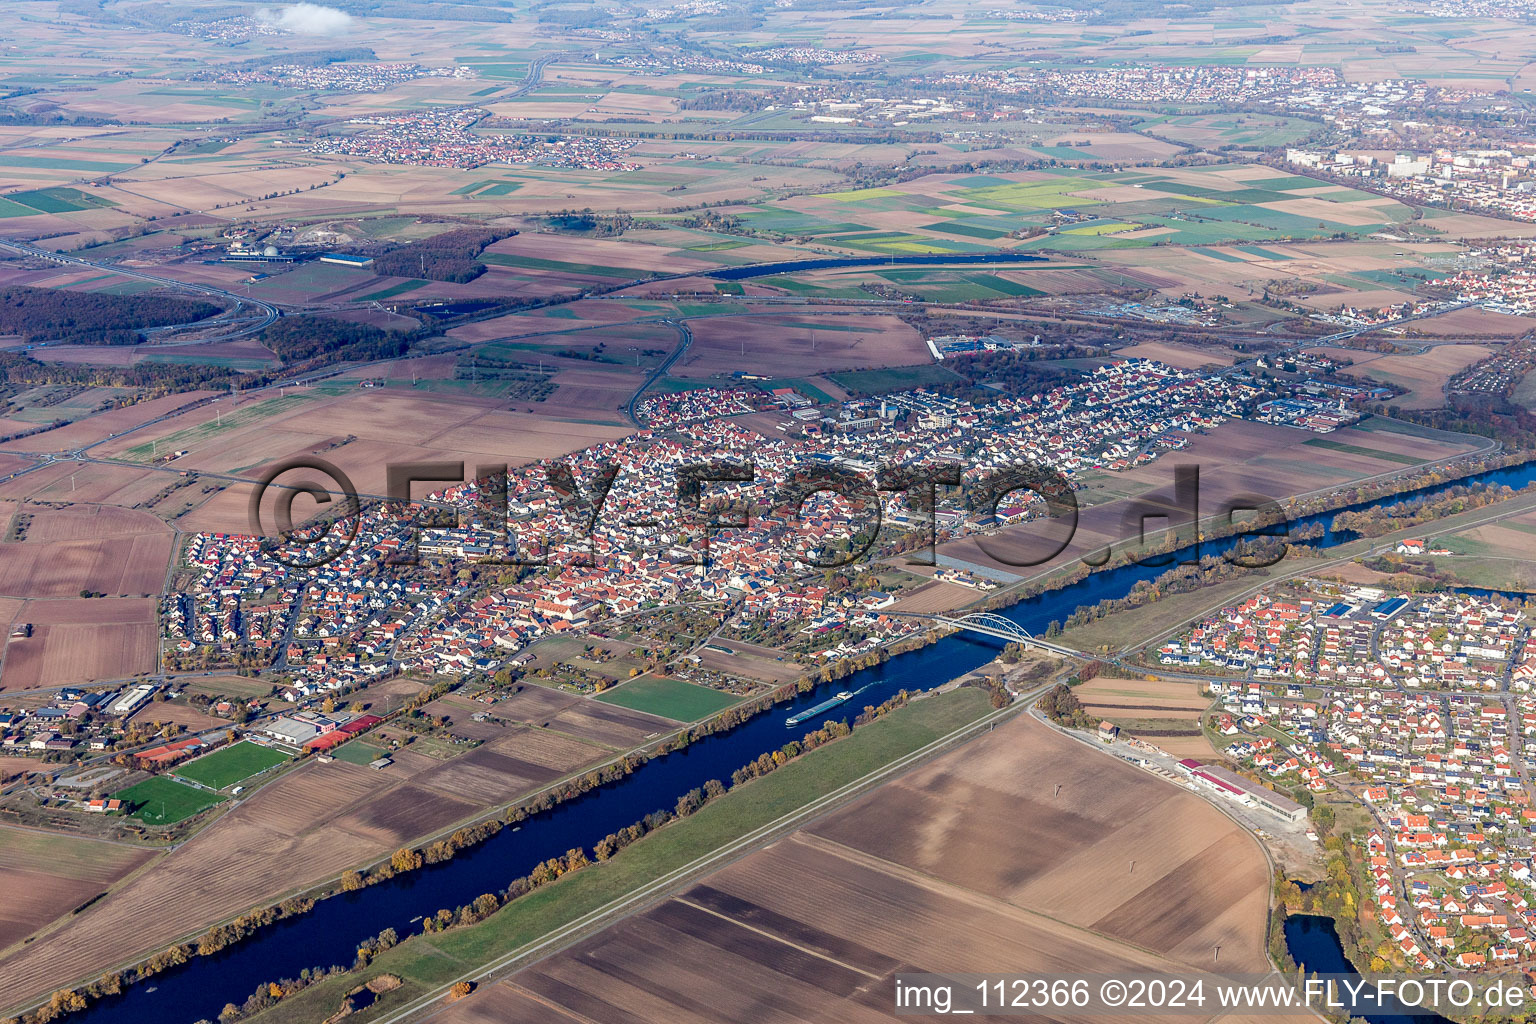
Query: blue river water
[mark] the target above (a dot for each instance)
(1512, 595)
(1313, 942)
(330, 933)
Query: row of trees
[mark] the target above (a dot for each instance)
(1061, 706)
(1379, 520)
(405, 859)
(555, 868)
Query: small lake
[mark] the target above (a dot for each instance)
(1314, 943)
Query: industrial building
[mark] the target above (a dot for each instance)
(1244, 791)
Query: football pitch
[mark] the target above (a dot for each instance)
(224, 768)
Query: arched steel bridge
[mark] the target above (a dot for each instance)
(993, 625)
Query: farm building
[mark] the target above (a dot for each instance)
(346, 259)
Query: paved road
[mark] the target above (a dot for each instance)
(268, 312)
(684, 339)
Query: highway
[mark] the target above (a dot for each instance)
(684, 339)
(1368, 328)
(267, 313)
(252, 325)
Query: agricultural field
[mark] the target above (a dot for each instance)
(81, 640)
(1318, 275)
(656, 178)
(98, 548)
(46, 876)
(1186, 357)
(1211, 131)
(1498, 556)
(1525, 392)
(874, 382)
(308, 826)
(936, 597)
(1423, 374)
(223, 768)
(908, 878)
(776, 346)
(601, 724)
(668, 698)
(748, 661)
(177, 712)
(240, 437)
(1236, 458)
(1165, 713)
(1078, 210)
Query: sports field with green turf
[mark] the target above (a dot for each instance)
(163, 801)
(223, 768)
(669, 698)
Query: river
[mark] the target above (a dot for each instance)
(330, 933)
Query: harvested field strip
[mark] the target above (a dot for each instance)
(218, 423)
(585, 269)
(399, 288)
(69, 856)
(1097, 705)
(46, 876)
(1188, 725)
(813, 927)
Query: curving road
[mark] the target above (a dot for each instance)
(269, 312)
(684, 339)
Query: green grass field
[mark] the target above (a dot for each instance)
(1525, 392)
(223, 768)
(1103, 228)
(215, 425)
(64, 164)
(163, 801)
(498, 259)
(1498, 572)
(1355, 449)
(357, 752)
(900, 378)
(669, 698)
(398, 288)
(1033, 195)
(58, 200)
(856, 195)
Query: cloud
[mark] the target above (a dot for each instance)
(308, 19)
